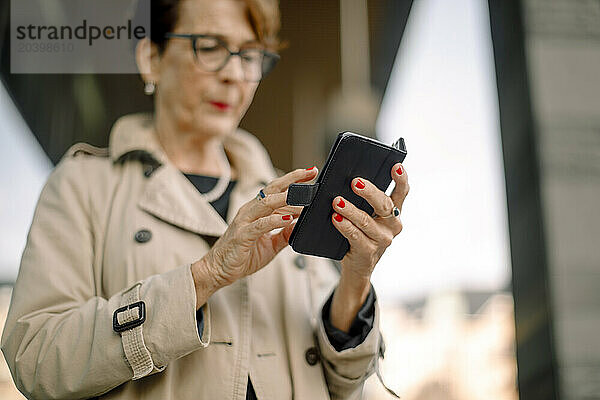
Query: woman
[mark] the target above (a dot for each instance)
(124, 290)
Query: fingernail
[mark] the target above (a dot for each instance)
(338, 218)
(359, 184)
(286, 217)
(399, 170)
(341, 204)
(308, 169)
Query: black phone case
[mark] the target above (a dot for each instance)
(351, 156)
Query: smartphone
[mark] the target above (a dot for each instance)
(352, 155)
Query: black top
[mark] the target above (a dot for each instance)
(340, 340)
(205, 183)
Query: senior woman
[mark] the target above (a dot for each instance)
(152, 270)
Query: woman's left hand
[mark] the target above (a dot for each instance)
(368, 236)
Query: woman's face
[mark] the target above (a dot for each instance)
(206, 103)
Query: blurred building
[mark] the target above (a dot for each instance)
(563, 53)
(547, 56)
(449, 346)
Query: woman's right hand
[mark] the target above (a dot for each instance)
(248, 245)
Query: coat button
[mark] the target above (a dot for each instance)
(300, 262)
(143, 235)
(312, 356)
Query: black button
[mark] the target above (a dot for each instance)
(143, 235)
(312, 356)
(300, 262)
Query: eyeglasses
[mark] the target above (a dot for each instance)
(212, 54)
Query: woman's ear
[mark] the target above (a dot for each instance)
(147, 58)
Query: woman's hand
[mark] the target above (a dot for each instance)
(369, 237)
(248, 245)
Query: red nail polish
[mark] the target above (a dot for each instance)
(308, 169)
(338, 218)
(286, 217)
(399, 170)
(341, 204)
(360, 184)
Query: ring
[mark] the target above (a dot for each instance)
(261, 195)
(394, 214)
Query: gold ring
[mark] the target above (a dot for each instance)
(394, 214)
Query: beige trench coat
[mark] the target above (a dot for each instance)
(83, 261)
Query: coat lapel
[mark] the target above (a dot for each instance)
(171, 197)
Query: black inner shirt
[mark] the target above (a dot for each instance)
(205, 183)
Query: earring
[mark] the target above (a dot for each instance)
(149, 88)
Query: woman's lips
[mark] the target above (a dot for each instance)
(220, 105)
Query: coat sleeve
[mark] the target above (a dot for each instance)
(58, 339)
(346, 371)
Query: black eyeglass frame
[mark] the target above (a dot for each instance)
(193, 37)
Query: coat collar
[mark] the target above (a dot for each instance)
(136, 132)
(173, 198)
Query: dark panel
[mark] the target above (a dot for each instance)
(535, 349)
(62, 109)
(387, 21)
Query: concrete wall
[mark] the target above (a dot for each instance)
(562, 43)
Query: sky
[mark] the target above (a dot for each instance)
(23, 171)
(442, 99)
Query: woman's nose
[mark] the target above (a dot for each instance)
(233, 70)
